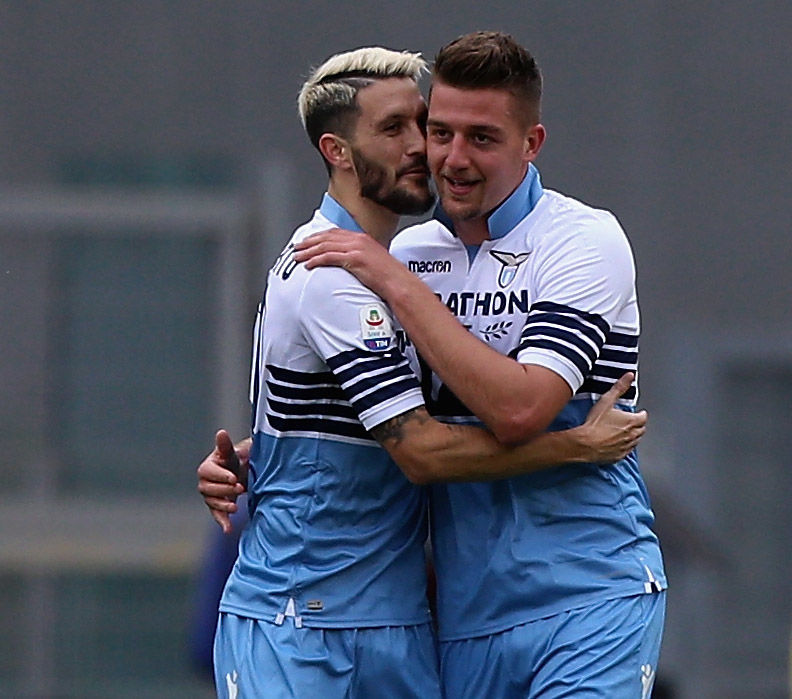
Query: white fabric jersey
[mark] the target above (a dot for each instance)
(337, 532)
(555, 289)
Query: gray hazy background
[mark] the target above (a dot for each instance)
(151, 165)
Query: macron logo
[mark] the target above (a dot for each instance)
(231, 683)
(429, 266)
(647, 680)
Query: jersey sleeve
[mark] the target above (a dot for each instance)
(351, 329)
(582, 285)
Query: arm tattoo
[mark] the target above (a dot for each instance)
(395, 427)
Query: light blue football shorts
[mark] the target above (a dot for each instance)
(254, 658)
(608, 650)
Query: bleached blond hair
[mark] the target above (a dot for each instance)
(328, 98)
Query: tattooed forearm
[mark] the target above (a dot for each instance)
(394, 429)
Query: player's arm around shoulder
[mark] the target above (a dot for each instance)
(429, 451)
(361, 255)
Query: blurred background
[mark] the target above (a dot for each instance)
(151, 166)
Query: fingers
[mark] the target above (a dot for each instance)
(634, 434)
(641, 418)
(321, 236)
(622, 420)
(609, 398)
(319, 255)
(315, 238)
(310, 242)
(224, 457)
(221, 508)
(211, 489)
(617, 433)
(338, 253)
(217, 483)
(223, 520)
(619, 388)
(214, 471)
(318, 242)
(636, 428)
(224, 445)
(635, 423)
(220, 504)
(327, 259)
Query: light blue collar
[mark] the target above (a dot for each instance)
(517, 206)
(337, 214)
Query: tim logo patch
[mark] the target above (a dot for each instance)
(375, 327)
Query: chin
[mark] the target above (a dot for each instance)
(459, 210)
(419, 190)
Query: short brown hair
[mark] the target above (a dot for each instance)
(489, 59)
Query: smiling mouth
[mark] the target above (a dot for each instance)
(459, 186)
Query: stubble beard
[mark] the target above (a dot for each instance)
(461, 212)
(457, 209)
(373, 185)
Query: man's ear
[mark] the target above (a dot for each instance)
(534, 140)
(336, 151)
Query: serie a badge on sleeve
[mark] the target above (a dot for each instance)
(375, 327)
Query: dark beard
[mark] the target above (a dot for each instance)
(372, 179)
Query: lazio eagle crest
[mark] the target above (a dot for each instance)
(510, 261)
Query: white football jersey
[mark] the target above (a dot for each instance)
(555, 287)
(337, 531)
(557, 291)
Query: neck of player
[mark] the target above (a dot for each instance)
(473, 231)
(380, 223)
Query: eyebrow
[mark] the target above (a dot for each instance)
(486, 128)
(392, 116)
(400, 116)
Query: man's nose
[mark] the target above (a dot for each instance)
(416, 143)
(457, 154)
